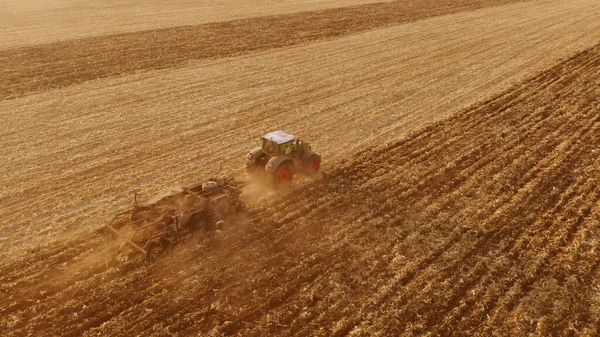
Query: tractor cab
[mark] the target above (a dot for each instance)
(278, 143)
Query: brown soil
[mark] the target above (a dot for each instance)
(42, 67)
(484, 223)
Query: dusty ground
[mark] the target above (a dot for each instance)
(483, 222)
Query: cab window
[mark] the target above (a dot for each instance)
(283, 148)
(268, 146)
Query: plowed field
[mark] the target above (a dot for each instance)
(487, 222)
(460, 191)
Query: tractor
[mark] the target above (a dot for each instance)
(281, 156)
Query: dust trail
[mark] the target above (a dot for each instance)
(173, 189)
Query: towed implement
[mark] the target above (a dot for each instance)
(202, 206)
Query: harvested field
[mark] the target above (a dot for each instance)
(55, 65)
(459, 193)
(484, 223)
(73, 156)
(39, 22)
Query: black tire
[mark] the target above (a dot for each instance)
(259, 164)
(283, 174)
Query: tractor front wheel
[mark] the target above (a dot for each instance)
(284, 173)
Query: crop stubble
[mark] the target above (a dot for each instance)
(26, 23)
(55, 65)
(72, 156)
(483, 223)
(486, 222)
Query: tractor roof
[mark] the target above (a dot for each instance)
(279, 137)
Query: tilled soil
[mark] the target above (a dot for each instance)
(485, 223)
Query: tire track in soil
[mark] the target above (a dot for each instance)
(55, 65)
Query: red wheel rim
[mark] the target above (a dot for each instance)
(314, 165)
(284, 176)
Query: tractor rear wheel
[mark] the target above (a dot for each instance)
(284, 173)
(312, 164)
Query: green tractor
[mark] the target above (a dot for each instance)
(281, 156)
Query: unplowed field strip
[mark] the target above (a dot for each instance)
(71, 157)
(41, 67)
(484, 223)
(38, 22)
